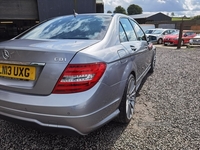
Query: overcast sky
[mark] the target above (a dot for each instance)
(179, 7)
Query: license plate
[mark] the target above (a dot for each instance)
(167, 43)
(17, 71)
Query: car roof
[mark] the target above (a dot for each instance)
(100, 14)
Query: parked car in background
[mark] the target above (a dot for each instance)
(195, 40)
(74, 72)
(149, 31)
(172, 39)
(159, 34)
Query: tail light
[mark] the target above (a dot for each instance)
(79, 77)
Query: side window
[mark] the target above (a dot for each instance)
(139, 32)
(171, 31)
(165, 33)
(122, 34)
(128, 29)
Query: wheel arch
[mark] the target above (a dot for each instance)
(160, 38)
(131, 68)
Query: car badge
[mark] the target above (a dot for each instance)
(5, 54)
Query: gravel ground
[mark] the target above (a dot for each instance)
(167, 114)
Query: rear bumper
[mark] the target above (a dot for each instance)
(80, 125)
(194, 43)
(171, 42)
(80, 113)
(47, 129)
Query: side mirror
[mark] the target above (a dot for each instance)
(150, 46)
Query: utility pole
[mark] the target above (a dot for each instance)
(75, 6)
(180, 35)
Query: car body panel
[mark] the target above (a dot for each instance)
(82, 112)
(195, 40)
(173, 38)
(47, 56)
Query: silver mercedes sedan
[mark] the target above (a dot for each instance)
(74, 73)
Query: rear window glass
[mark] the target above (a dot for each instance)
(91, 27)
(158, 31)
(149, 31)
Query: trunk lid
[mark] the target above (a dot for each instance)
(34, 66)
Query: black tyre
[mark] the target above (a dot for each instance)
(182, 43)
(160, 41)
(153, 63)
(128, 101)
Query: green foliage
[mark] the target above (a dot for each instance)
(180, 19)
(109, 11)
(120, 9)
(134, 9)
(172, 14)
(196, 17)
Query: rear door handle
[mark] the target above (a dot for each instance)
(133, 47)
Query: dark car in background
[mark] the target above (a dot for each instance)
(75, 72)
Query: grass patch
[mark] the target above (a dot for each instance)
(180, 18)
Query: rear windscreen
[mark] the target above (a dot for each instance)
(91, 27)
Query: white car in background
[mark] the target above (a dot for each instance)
(159, 33)
(195, 40)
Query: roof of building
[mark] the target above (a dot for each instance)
(146, 15)
(139, 16)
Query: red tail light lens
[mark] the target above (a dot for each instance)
(79, 77)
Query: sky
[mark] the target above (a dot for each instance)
(189, 8)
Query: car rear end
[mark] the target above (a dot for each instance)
(195, 40)
(50, 83)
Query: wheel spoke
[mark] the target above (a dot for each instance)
(154, 61)
(132, 103)
(129, 110)
(130, 98)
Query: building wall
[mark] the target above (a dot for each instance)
(100, 8)
(18, 10)
(187, 25)
(18, 15)
(159, 17)
(52, 8)
(167, 26)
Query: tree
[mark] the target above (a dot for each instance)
(134, 9)
(120, 9)
(172, 14)
(196, 17)
(109, 11)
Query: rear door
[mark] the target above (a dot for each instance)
(147, 54)
(135, 46)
